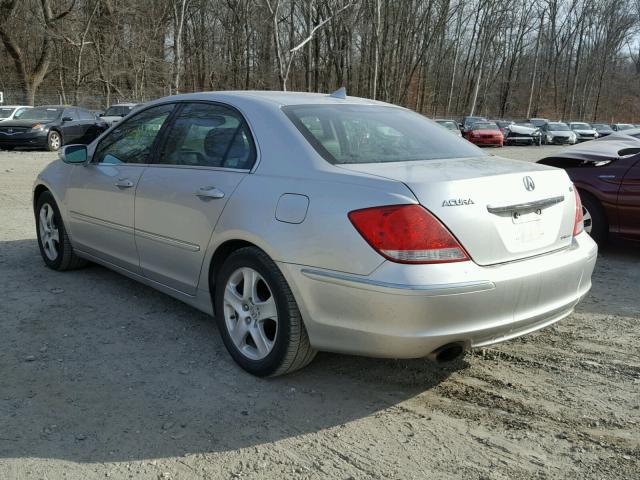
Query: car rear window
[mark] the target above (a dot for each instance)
(350, 133)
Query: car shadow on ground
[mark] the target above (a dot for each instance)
(96, 367)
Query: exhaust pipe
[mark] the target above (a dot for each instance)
(447, 353)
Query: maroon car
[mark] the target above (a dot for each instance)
(607, 175)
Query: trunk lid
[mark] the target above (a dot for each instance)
(488, 203)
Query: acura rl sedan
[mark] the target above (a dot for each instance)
(308, 222)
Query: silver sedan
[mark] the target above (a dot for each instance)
(308, 222)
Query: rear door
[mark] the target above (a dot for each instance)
(101, 194)
(206, 153)
(629, 202)
(72, 126)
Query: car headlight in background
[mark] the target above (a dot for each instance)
(38, 127)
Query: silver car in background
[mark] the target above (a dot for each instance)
(584, 132)
(450, 125)
(308, 222)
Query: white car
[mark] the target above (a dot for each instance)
(11, 112)
(583, 131)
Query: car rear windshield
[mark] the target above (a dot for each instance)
(448, 124)
(118, 111)
(375, 134)
(41, 113)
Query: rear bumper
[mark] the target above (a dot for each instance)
(408, 311)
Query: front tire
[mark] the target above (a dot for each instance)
(54, 141)
(595, 219)
(54, 243)
(258, 317)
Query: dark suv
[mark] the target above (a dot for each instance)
(50, 127)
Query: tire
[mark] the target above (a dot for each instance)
(57, 254)
(54, 141)
(262, 345)
(595, 219)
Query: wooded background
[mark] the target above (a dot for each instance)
(568, 59)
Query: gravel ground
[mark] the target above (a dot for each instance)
(103, 377)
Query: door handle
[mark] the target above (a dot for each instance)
(124, 183)
(209, 192)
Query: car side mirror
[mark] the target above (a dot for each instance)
(74, 154)
(67, 119)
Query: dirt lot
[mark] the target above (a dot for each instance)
(102, 377)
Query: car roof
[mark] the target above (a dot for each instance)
(16, 106)
(275, 98)
(123, 105)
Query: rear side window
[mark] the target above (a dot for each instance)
(132, 140)
(350, 133)
(208, 135)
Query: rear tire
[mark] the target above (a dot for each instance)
(55, 246)
(261, 325)
(595, 219)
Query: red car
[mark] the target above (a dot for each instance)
(484, 133)
(607, 175)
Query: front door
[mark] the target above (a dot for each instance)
(629, 202)
(207, 152)
(101, 194)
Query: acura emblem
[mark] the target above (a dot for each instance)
(528, 183)
(10, 130)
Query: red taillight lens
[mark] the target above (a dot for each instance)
(407, 234)
(578, 224)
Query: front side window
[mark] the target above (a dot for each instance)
(132, 141)
(375, 134)
(208, 135)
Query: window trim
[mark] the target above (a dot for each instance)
(156, 140)
(170, 123)
(156, 145)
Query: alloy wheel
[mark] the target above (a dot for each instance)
(250, 313)
(54, 141)
(49, 234)
(587, 220)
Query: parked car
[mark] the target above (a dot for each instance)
(449, 125)
(557, 133)
(602, 129)
(484, 133)
(618, 127)
(584, 132)
(10, 112)
(522, 133)
(50, 127)
(396, 240)
(117, 112)
(468, 121)
(607, 175)
(538, 122)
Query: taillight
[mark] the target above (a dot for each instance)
(407, 234)
(578, 224)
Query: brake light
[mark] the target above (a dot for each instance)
(578, 224)
(407, 234)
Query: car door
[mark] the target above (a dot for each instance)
(101, 194)
(629, 202)
(71, 126)
(207, 152)
(87, 129)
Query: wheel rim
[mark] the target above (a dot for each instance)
(250, 313)
(587, 220)
(49, 235)
(54, 141)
